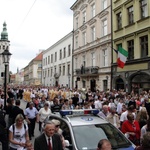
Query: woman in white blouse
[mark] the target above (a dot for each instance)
(43, 113)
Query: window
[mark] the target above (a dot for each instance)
(84, 38)
(48, 59)
(144, 46)
(119, 20)
(39, 75)
(130, 14)
(105, 82)
(76, 63)
(60, 54)
(144, 10)
(63, 70)
(51, 58)
(77, 23)
(55, 69)
(104, 4)
(130, 49)
(48, 72)
(104, 26)
(84, 17)
(60, 70)
(93, 33)
(64, 52)
(93, 59)
(69, 50)
(45, 73)
(105, 57)
(39, 65)
(51, 72)
(76, 40)
(84, 63)
(84, 84)
(55, 56)
(68, 69)
(92, 10)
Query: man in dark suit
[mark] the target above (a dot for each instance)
(48, 140)
(16, 110)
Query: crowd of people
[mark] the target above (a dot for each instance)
(129, 112)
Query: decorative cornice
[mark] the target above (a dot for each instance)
(89, 1)
(76, 13)
(83, 27)
(102, 14)
(92, 21)
(76, 32)
(83, 6)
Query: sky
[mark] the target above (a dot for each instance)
(34, 25)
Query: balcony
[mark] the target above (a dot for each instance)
(87, 70)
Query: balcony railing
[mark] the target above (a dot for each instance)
(87, 70)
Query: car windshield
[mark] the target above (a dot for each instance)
(87, 137)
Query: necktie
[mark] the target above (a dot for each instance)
(49, 144)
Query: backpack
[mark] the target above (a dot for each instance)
(13, 126)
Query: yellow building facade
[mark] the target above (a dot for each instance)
(131, 31)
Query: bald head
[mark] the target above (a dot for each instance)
(104, 144)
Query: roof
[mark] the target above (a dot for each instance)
(85, 120)
(39, 56)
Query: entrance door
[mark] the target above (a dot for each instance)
(119, 84)
(93, 85)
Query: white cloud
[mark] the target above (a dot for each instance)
(29, 31)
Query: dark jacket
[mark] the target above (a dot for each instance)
(40, 142)
(15, 111)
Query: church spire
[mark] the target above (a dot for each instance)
(4, 34)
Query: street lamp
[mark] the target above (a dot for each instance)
(6, 57)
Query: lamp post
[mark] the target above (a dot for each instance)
(6, 57)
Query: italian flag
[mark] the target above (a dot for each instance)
(122, 57)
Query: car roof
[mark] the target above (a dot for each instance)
(84, 120)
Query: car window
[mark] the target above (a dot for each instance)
(88, 136)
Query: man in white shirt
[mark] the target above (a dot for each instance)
(98, 103)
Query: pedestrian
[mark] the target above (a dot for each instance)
(43, 113)
(9, 106)
(18, 133)
(31, 115)
(105, 111)
(145, 143)
(131, 129)
(48, 140)
(113, 118)
(104, 144)
(16, 110)
(3, 132)
(28, 145)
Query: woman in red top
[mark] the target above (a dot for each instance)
(131, 129)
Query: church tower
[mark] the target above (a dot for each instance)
(4, 43)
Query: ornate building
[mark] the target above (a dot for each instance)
(92, 44)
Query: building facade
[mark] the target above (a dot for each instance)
(131, 31)
(33, 71)
(57, 63)
(92, 44)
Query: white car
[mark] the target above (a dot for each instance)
(83, 129)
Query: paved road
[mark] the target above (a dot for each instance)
(36, 132)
